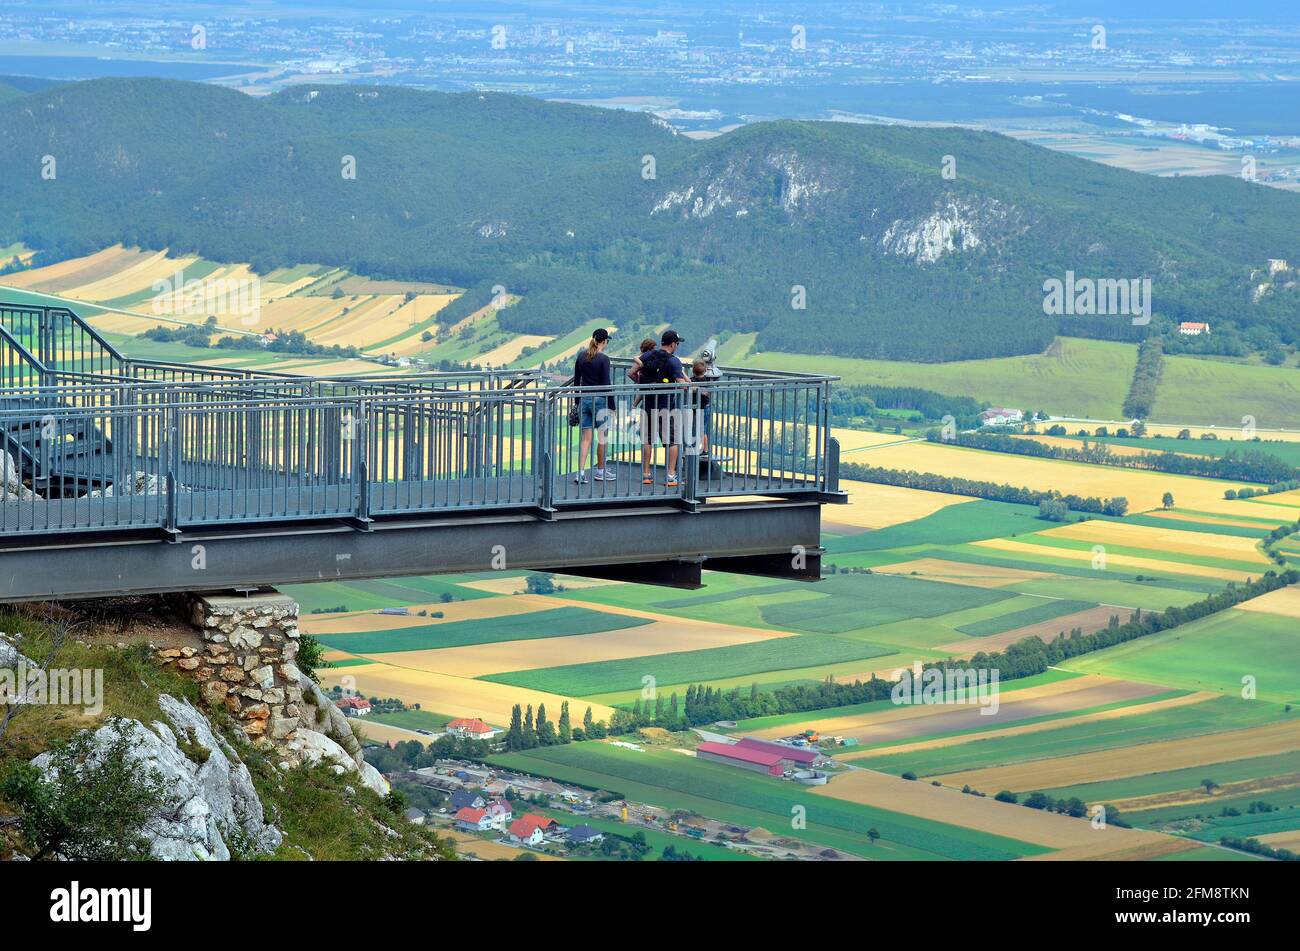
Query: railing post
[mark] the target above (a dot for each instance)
(171, 452)
(361, 464)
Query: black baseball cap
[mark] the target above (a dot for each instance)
(671, 337)
(600, 334)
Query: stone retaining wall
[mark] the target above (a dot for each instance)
(247, 663)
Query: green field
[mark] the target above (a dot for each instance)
(1074, 377)
(1212, 391)
(851, 602)
(561, 622)
(1031, 615)
(1152, 784)
(783, 653)
(674, 781)
(965, 522)
(1213, 716)
(412, 719)
(326, 596)
(1287, 452)
(1214, 653)
(754, 724)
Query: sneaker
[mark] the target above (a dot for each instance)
(602, 475)
(671, 481)
(580, 478)
(647, 481)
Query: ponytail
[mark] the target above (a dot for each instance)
(593, 348)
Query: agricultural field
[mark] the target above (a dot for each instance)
(1074, 377)
(675, 781)
(908, 577)
(129, 290)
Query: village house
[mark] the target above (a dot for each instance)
(467, 799)
(584, 835)
(353, 706)
(473, 820)
(467, 728)
(1000, 416)
(1193, 328)
(500, 812)
(529, 829)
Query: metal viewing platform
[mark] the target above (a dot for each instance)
(136, 476)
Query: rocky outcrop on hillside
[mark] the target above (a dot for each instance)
(212, 808)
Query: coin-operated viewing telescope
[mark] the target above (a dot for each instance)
(709, 353)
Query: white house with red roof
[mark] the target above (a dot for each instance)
(353, 706)
(1193, 328)
(529, 829)
(471, 728)
(473, 820)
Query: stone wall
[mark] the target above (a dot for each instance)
(247, 662)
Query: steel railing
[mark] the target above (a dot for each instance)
(99, 457)
(93, 441)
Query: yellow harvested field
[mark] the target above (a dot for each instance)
(1153, 845)
(1116, 560)
(662, 637)
(139, 275)
(1284, 602)
(881, 726)
(488, 850)
(854, 439)
(1162, 539)
(1183, 797)
(957, 572)
(873, 506)
(382, 732)
(454, 695)
(1138, 708)
(1144, 490)
(345, 622)
(941, 804)
(1138, 760)
(1282, 840)
(512, 349)
(1087, 620)
(68, 273)
(1205, 519)
(1222, 432)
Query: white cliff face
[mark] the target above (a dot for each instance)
(210, 803)
(731, 188)
(956, 224)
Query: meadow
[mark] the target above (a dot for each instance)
(675, 781)
(561, 622)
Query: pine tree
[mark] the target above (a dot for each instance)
(587, 722)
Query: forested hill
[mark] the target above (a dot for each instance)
(560, 203)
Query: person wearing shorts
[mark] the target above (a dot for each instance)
(660, 409)
(592, 368)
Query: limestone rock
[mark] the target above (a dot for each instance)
(210, 803)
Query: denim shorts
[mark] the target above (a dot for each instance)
(589, 414)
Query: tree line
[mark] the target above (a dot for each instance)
(933, 482)
(1250, 465)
